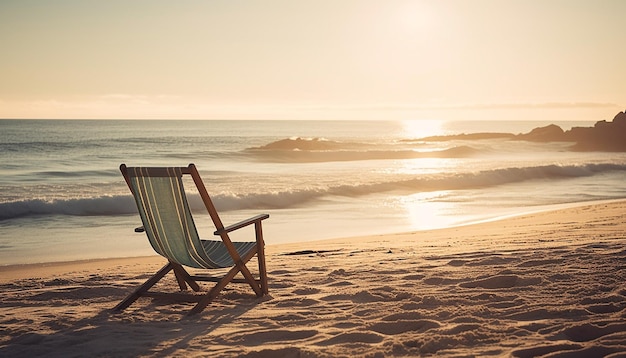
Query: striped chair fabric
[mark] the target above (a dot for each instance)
(169, 225)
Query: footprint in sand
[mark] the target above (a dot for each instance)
(353, 337)
(414, 277)
(398, 327)
(359, 297)
(276, 335)
(306, 291)
(502, 281)
(588, 331)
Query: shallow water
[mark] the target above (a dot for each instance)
(62, 197)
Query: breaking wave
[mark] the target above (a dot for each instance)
(124, 205)
(100, 206)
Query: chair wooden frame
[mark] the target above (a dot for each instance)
(259, 285)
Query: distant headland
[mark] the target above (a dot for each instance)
(603, 136)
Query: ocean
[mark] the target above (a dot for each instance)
(62, 196)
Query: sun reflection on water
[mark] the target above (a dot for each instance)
(424, 211)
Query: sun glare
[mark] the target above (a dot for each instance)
(413, 129)
(424, 211)
(413, 18)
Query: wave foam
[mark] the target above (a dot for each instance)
(124, 205)
(307, 156)
(101, 206)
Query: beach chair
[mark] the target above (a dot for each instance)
(168, 223)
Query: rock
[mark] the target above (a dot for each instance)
(604, 136)
(550, 133)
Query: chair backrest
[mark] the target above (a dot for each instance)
(162, 203)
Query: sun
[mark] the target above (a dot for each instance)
(413, 18)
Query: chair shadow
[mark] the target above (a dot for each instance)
(150, 326)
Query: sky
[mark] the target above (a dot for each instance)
(313, 59)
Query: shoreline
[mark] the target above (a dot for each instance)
(54, 265)
(541, 284)
(541, 209)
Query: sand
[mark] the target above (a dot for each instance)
(548, 284)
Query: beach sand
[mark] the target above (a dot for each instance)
(548, 284)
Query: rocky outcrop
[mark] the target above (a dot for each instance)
(551, 133)
(603, 136)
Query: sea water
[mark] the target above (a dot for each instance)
(62, 196)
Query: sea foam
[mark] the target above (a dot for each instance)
(281, 199)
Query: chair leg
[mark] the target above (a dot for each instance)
(249, 278)
(260, 255)
(183, 278)
(262, 271)
(143, 288)
(210, 296)
(256, 287)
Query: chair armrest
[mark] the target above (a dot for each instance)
(241, 224)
